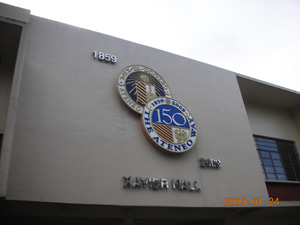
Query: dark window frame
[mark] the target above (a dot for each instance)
(279, 158)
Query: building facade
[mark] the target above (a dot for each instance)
(78, 145)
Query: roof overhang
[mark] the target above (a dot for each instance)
(268, 94)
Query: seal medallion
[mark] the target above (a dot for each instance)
(169, 125)
(139, 84)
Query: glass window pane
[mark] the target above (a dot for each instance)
(265, 140)
(269, 169)
(277, 162)
(271, 176)
(275, 155)
(265, 154)
(267, 162)
(281, 177)
(268, 148)
(274, 145)
(264, 143)
(279, 169)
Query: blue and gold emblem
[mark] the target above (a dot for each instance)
(137, 85)
(169, 125)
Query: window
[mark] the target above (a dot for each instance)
(279, 159)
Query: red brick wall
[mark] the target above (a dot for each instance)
(284, 191)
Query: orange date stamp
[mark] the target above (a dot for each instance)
(250, 202)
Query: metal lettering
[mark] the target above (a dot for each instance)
(188, 183)
(144, 182)
(159, 183)
(164, 183)
(196, 188)
(183, 185)
(175, 184)
(127, 181)
(155, 183)
(150, 183)
(215, 163)
(136, 182)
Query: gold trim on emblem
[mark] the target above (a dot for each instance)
(137, 85)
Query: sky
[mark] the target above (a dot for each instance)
(255, 38)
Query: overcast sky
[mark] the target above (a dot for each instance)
(256, 38)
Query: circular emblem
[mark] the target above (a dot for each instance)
(169, 125)
(139, 84)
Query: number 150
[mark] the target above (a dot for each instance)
(170, 119)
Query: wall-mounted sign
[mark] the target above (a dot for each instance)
(166, 122)
(160, 183)
(104, 57)
(139, 84)
(215, 163)
(169, 125)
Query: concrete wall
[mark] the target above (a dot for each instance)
(273, 122)
(14, 13)
(74, 137)
(296, 116)
(13, 43)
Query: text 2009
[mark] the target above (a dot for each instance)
(250, 202)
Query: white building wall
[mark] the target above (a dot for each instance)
(74, 138)
(273, 122)
(296, 116)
